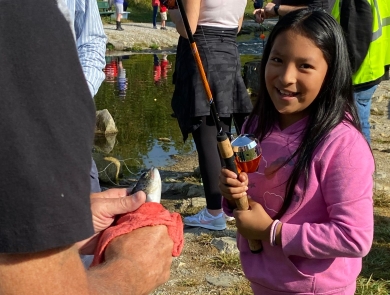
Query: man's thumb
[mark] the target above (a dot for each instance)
(127, 204)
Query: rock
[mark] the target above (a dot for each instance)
(225, 245)
(223, 280)
(197, 172)
(105, 123)
(195, 191)
(105, 143)
(252, 76)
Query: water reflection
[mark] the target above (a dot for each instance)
(137, 92)
(160, 69)
(141, 110)
(116, 73)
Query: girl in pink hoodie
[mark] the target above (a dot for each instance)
(311, 197)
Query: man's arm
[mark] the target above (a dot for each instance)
(269, 9)
(48, 120)
(136, 263)
(90, 40)
(284, 9)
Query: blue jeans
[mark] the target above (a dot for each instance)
(155, 9)
(363, 104)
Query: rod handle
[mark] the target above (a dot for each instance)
(227, 154)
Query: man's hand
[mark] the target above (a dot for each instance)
(149, 251)
(105, 206)
(259, 15)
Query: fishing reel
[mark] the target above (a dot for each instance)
(247, 152)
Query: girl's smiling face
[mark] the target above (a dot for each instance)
(294, 74)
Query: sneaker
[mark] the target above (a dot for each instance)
(228, 218)
(206, 220)
(154, 27)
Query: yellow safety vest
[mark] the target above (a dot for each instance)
(373, 65)
(385, 12)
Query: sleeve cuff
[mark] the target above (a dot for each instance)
(291, 239)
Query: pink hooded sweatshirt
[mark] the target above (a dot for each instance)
(326, 233)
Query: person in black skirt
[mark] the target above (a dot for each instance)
(215, 35)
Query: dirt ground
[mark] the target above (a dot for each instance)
(203, 268)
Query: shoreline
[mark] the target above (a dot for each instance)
(142, 38)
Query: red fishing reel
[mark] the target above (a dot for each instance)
(170, 4)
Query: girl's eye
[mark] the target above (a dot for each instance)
(307, 66)
(275, 59)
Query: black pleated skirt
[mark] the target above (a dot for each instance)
(220, 58)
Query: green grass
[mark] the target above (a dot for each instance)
(154, 46)
(240, 288)
(188, 282)
(226, 261)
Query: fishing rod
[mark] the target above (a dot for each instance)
(224, 145)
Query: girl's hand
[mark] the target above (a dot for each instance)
(255, 223)
(231, 187)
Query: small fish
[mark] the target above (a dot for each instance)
(150, 183)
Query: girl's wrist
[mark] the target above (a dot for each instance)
(275, 233)
(278, 234)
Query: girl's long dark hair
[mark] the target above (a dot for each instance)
(333, 104)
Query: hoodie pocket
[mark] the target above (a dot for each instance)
(272, 270)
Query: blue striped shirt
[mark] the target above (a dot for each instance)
(90, 40)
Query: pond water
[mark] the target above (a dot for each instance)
(137, 92)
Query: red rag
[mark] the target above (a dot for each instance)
(148, 214)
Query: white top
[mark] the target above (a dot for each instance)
(221, 13)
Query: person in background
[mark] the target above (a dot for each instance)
(91, 48)
(311, 199)
(111, 69)
(364, 24)
(257, 4)
(215, 34)
(122, 79)
(155, 4)
(163, 16)
(119, 12)
(45, 205)
(278, 8)
(165, 66)
(156, 70)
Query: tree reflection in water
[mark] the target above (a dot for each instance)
(141, 110)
